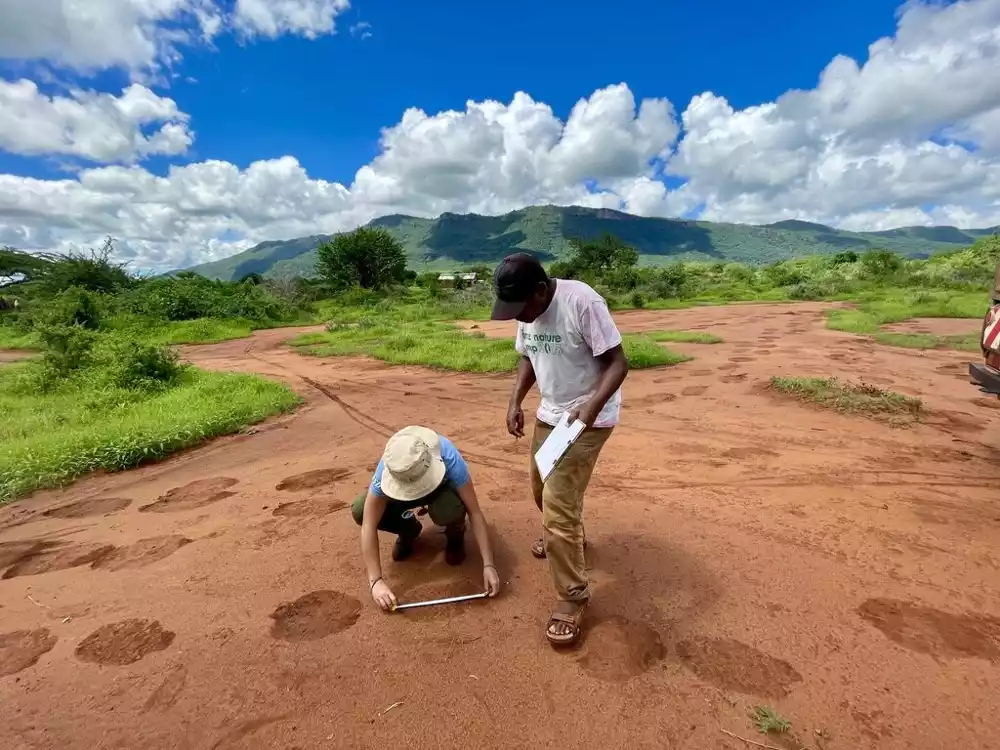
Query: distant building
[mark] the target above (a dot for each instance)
(449, 278)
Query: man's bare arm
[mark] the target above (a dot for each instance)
(523, 382)
(614, 369)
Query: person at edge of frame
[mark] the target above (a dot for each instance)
(994, 301)
(420, 470)
(571, 348)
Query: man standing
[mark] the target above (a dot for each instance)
(570, 347)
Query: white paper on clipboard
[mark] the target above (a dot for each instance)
(556, 445)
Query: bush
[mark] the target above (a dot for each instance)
(637, 300)
(808, 290)
(189, 296)
(137, 366)
(782, 273)
(66, 349)
(671, 281)
(880, 264)
(94, 272)
(847, 256)
(74, 307)
(357, 296)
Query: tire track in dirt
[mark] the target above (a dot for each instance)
(372, 424)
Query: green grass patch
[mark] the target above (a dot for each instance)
(48, 440)
(684, 337)
(14, 338)
(968, 342)
(196, 331)
(643, 351)
(876, 309)
(852, 398)
(446, 347)
(429, 343)
(199, 331)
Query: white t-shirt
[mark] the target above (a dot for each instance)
(563, 345)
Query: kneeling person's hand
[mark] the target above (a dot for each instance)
(491, 580)
(383, 595)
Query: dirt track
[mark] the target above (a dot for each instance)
(745, 550)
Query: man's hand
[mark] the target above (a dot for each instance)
(586, 414)
(491, 580)
(515, 420)
(383, 595)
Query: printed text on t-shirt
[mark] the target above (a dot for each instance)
(544, 343)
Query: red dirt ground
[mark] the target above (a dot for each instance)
(745, 550)
(15, 355)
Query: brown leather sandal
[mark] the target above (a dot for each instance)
(572, 619)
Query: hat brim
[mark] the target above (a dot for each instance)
(431, 479)
(506, 310)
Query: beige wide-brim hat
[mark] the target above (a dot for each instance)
(412, 467)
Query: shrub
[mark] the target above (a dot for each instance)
(66, 349)
(94, 272)
(137, 366)
(782, 273)
(637, 300)
(74, 307)
(847, 256)
(808, 290)
(880, 264)
(671, 281)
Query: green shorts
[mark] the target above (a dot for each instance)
(445, 509)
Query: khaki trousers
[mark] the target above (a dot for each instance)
(560, 499)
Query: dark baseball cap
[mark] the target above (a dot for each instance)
(515, 281)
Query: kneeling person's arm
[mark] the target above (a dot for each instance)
(374, 508)
(460, 478)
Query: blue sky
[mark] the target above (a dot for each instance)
(325, 100)
(864, 114)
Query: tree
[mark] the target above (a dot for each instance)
(606, 255)
(368, 257)
(252, 279)
(608, 260)
(847, 256)
(880, 264)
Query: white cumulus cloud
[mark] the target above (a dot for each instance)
(99, 127)
(271, 18)
(907, 136)
(867, 141)
(141, 36)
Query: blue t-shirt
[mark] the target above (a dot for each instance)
(456, 471)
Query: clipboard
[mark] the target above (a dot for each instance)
(549, 454)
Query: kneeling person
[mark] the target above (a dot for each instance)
(420, 469)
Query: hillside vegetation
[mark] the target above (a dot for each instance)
(105, 391)
(453, 240)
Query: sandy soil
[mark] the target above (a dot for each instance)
(745, 550)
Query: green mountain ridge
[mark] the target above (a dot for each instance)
(454, 241)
